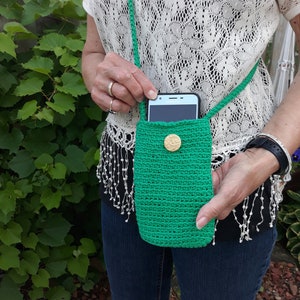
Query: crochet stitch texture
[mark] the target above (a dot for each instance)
(171, 186)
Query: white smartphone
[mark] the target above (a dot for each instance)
(174, 107)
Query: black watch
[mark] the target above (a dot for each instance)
(272, 146)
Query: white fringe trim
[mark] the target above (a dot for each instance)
(113, 169)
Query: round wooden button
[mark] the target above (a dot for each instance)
(172, 142)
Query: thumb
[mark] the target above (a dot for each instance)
(212, 210)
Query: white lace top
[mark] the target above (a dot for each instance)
(201, 46)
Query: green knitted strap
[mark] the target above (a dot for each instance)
(135, 44)
(233, 94)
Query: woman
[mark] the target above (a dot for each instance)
(208, 48)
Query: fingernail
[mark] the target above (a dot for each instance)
(152, 94)
(201, 222)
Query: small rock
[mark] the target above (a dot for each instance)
(294, 289)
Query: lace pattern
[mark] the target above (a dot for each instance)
(201, 46)
(206, 47)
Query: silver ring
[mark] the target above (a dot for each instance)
(110, 110)
(109, 88)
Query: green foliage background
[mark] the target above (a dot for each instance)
(49, 129)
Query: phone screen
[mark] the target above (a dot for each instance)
(173, 107)
(170, 113)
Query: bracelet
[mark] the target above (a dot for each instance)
(272, 144)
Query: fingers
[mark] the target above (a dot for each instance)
(131, 77)
(122, 81)
(233, 181)
(216, 208)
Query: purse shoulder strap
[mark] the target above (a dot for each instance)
(142, 106)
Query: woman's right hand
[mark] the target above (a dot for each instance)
(115, 84)
(119, 84)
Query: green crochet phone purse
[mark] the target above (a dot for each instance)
(172, 172)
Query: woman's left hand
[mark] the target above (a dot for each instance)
(236, 179)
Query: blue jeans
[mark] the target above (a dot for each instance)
(139, 271)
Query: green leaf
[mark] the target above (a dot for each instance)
(41, 279)
(34, 9)
(8, 199)
(77, 193)
(9, 289)
(58, 171)
(7, 45)
(15, 27)
(29, 86)
(7, 80)
(29, 263)
(73, 160)
(58, 293)
(75, 45)
(22, 164)
(68, 60)
(81, 30)
(94, 113)
(46, 114)
(51, 199)
(295, 227)
(30, 241)
(16, 277)
(89, 138)
(61, 253)
(11, 233)
(39, 141)
(72, 84)
(7, 100)
(79, 265)
(90, 159)
(297, 214)
(36, 293)
(88, 285)
(295, 250)
(54, 231)
(56, 268)
(42, 251)
(62, 103)
(51, 41)
(10, 10)
(5, 218)
(293, 245)
(289, 218)
(43, 65)
(24, 187)
(87, 246)
(39, 179)
(290, 235)
(10, 140)
(71, 9)
(9, 257)
(59, 51)
(295, 196)
(43, 161)
(28, 110)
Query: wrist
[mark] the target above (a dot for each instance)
(273, 146)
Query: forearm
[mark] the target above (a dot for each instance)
(90, 61)
(93, 54)
(285, 123)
